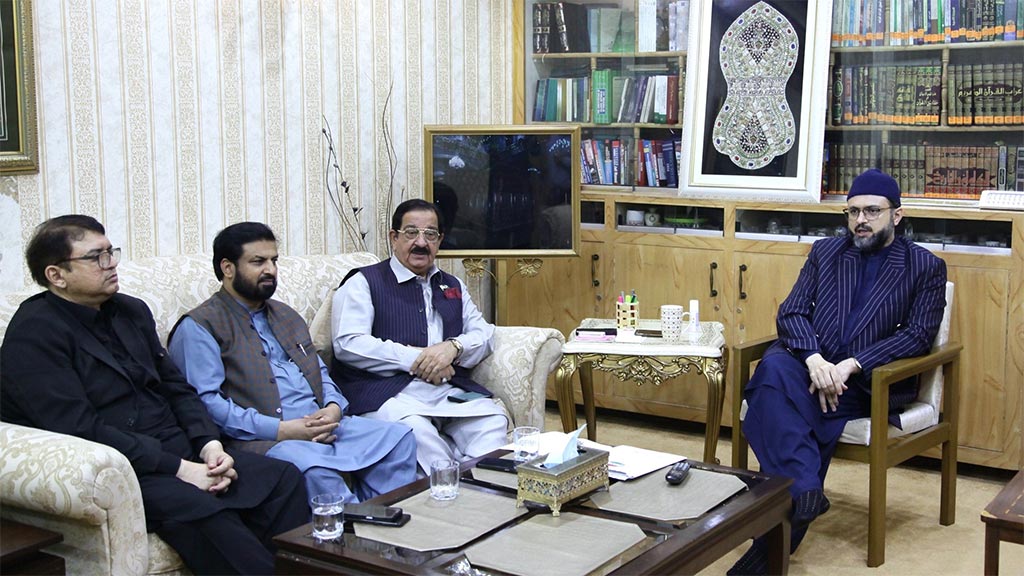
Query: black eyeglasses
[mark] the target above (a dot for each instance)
(411, 233)
(870, 213)
(105, 259)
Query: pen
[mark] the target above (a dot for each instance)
(303, 349)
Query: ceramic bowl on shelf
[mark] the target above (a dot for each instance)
(634, 217)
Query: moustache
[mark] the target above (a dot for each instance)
(267, 277)
(421, 251)
(863, 228)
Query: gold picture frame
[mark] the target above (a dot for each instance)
(19, 147)
(505, 190)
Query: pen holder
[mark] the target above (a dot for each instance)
(627, 314)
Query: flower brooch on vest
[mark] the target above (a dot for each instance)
(451, 293)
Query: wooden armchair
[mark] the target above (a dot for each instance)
(929, 421)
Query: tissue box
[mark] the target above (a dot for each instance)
(557, 485)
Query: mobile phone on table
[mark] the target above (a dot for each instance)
(499, 464)
(375, 514)
(464, 396)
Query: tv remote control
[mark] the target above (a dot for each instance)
(678, 473)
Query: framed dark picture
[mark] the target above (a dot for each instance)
(755, 120)
(505, 191)
(19, 151)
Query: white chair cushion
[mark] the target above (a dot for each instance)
(915, 416)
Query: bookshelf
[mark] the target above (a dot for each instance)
(618, 70)
(930, 92)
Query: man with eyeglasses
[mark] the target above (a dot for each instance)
(405, 336)
(861, 301)
(83, 360)
(252, 360)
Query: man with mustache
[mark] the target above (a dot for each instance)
(253, 363)
(83, 360)
(861, 301)
(406, 335)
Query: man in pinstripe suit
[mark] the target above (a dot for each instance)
(861, 301)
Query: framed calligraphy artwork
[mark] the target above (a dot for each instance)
(19, 149)
(755, 109)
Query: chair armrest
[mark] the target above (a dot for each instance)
(946, 357)
(755, 347)
(898, 370)
(742, 356)
(518, 367)
(68, 481)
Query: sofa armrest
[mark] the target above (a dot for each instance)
(517, 370)
(85, 490)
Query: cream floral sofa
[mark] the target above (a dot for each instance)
(88, 492)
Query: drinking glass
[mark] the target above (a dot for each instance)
(444, 479)
(526, 440)
(328, 516)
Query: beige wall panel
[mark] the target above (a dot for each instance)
(169, 119)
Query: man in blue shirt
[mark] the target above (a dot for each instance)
(253, 363)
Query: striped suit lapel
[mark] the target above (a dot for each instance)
(846, 281)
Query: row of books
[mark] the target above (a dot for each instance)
(563, 100)
(626, 162)
(560, 27)
(901, 95)
(913, 22)
(654, 99)
(985, 94)
(924, 171)
(978, 94)
(608, 96)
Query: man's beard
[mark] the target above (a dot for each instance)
(876, 241)
(253, 290)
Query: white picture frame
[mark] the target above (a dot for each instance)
(793, 176)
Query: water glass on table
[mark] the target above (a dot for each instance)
(328, 516)
(444, 479)
(526, 442)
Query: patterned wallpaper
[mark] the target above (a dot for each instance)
(169, 119)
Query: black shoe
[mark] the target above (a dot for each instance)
(753, 563)
(825, 505)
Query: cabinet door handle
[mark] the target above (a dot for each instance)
(743, 268)
(593, 269)
(711, 274)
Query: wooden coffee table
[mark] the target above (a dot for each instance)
(1004, 521)
(762, 509)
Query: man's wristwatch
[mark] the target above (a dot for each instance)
(458, 346)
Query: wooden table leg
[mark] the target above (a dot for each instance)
(778, 548)
(991, 551)
(563, 387)
(716, 399)
(587, 389)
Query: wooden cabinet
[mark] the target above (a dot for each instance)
(566, 290)
(674, 268)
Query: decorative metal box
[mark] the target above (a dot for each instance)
(557, 485)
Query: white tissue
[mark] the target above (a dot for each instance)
(565, 450)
